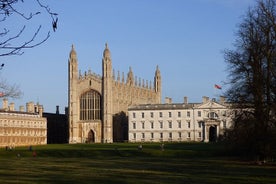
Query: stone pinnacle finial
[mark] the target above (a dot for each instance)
(106, 51)
(73, 52)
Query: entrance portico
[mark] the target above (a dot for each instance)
(210, 130)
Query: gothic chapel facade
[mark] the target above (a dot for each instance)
(95, 101)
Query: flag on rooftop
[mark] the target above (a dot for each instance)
(217, 86)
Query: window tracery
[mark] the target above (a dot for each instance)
(90, 106)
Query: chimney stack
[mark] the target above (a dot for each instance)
(205, 99)
(5, 104)
(21, 108)
(11, 107)
(57, 109)
(30, 107)
(168, 100)
(185, 100)
(222, 99)
(40, 110)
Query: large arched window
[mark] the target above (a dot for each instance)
(90, 106)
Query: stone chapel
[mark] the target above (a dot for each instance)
(98, 104)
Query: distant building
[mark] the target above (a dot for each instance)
(98, 103)
(57, 127)
(204, 121)
(19, 128)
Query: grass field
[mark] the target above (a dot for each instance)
(124, 163)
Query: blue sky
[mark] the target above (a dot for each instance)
(186, 38)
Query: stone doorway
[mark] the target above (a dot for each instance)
(91, 137)
(213, 133)
(211, 130)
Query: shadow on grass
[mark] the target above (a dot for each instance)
(125, 163)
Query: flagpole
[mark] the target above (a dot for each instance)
(214, 93)
(216, 88)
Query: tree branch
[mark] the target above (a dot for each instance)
(7, 46)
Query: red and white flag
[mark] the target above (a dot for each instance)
(1, 94)
(217, 86)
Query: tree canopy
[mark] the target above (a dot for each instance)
(252, 79)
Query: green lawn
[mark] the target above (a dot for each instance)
(124, 163)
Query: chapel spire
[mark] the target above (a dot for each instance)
(73, 54)
(106, 53)
(157, 83)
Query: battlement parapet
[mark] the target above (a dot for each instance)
(89, 74)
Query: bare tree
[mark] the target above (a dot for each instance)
(8, 43)
(252, 78)
(13, 42)
(8, 90)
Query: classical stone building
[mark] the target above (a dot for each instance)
(19, 128)
(204, 121)
(98, 103)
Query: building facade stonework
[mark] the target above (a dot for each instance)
(21, 128)
(204, 121)
(98, 102)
